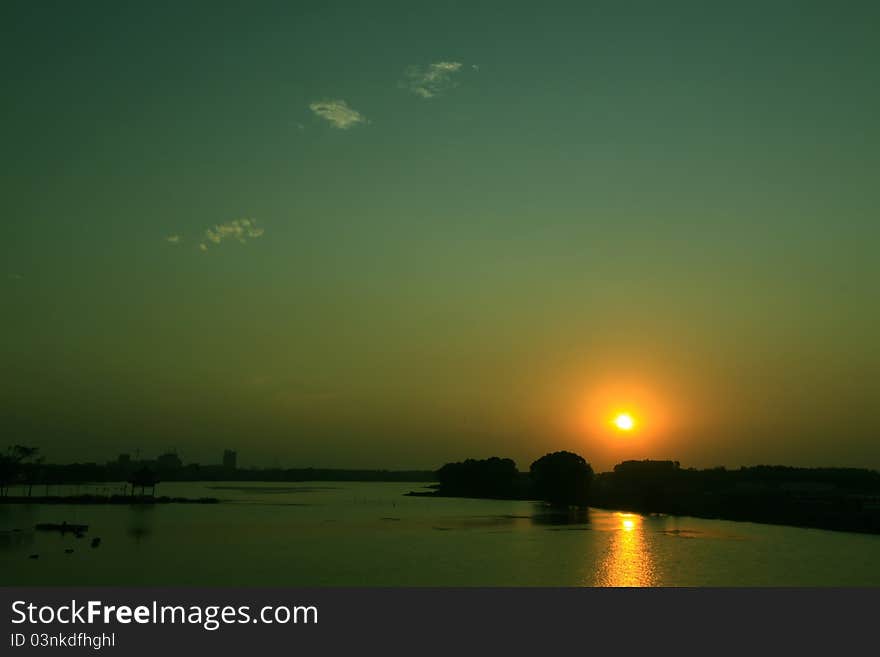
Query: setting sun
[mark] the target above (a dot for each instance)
(624, 422)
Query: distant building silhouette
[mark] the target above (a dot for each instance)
(230, 459)
(168, 462)
(124, 465)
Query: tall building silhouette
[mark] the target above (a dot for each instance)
(230, 459)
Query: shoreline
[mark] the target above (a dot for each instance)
(838, 524)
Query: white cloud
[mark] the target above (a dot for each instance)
(237, 229)
(173, 239)
(432, 80)
(338, 113)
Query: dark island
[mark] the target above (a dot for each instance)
(843, 499)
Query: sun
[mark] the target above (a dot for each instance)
(624, 422)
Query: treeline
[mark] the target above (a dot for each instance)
(560, 478)
(830, 498)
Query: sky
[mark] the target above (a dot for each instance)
(396, 234)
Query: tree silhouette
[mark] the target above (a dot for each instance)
(12, 466)
(562, 479)
(145, 478)
(492, 477)
(8, 472)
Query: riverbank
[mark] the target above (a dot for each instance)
(856, 520)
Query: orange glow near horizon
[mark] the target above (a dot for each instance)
(627, 417)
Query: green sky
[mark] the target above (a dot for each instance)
(465, 220)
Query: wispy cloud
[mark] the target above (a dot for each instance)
(240, 230)
(431, 80)
(173, 239)
(338, 113)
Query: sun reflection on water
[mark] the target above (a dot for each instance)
(628, 561)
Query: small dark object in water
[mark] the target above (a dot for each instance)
(63, 527)
(96, 541)
(33, 556)
(68, 551)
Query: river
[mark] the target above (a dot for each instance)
(370, 534)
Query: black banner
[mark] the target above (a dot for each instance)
(436, 621)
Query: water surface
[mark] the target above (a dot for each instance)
(369, 534)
